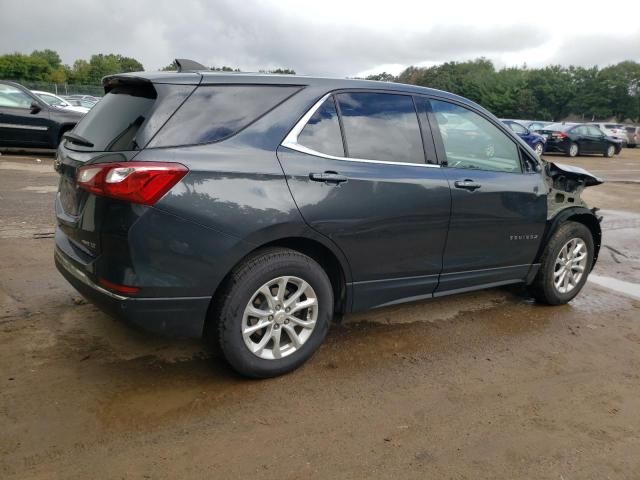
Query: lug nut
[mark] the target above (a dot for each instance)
(270, 317)
(287, 309)
(286, 321)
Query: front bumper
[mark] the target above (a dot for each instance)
(182, 317)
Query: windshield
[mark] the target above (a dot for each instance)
(559, 127)
(52, 100)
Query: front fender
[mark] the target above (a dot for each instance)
(579, 214)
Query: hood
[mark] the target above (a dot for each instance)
(575, 173)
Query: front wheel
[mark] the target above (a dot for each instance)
(610, 152)
(565, 264)
(273, 313)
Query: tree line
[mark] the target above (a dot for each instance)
(46, 66)
(550, 93)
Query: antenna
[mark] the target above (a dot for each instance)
(186, 65)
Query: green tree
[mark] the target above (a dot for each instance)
(382, 77)
(51, 57)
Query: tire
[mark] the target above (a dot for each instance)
(244, 294)
(539, 149)
(573, 150)
(544, 287)
(610, 151)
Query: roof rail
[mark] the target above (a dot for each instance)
(186, 65)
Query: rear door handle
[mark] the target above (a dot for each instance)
(328, 177)
(467, 184)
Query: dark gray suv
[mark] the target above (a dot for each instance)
(253, 209)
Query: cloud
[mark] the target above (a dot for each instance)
(260, 34)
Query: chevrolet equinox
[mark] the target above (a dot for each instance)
(251, 209)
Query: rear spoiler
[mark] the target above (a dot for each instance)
(190, 70)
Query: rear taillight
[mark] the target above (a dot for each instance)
(560, 135)
(135, 182)
(116, 287)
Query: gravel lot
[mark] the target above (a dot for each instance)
(484, 385)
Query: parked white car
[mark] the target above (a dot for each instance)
(613, 130)
(58, 102)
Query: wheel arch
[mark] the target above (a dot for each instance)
(574, 214)
(333, 263)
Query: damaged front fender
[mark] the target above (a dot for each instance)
(565, 184)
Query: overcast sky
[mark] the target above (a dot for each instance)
(327, 37)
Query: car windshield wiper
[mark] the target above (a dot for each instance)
(77, 139)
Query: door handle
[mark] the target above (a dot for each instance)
(328, 177)
(467, 184)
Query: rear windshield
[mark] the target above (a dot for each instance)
(559, 127)
(612, 125)
(215, 112)
(127, 117)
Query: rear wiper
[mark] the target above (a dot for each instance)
(77, 139)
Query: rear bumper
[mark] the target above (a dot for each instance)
(182, 317)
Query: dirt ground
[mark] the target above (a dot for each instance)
(484, 385)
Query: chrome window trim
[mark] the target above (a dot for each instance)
(22, 127)
(291, 141)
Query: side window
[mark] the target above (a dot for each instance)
(322, 131)
(517, 128)
(470, 141)
(595, 131)
(381, 126)
(215, 112)
(13, 97)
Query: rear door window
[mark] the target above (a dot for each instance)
(381, 126)
(322, 131)
(215, 112)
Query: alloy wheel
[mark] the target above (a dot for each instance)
(539, 149)
(570, 265)
(280, 317)
(573, 150)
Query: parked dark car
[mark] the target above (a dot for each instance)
(253, 209)
(27, 121)
(534, 140)
(574, 139)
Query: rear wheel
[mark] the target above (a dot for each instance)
(610, 152)
(273, 313)
(565, 264)
(573, 150)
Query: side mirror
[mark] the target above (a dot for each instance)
(35, 107)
